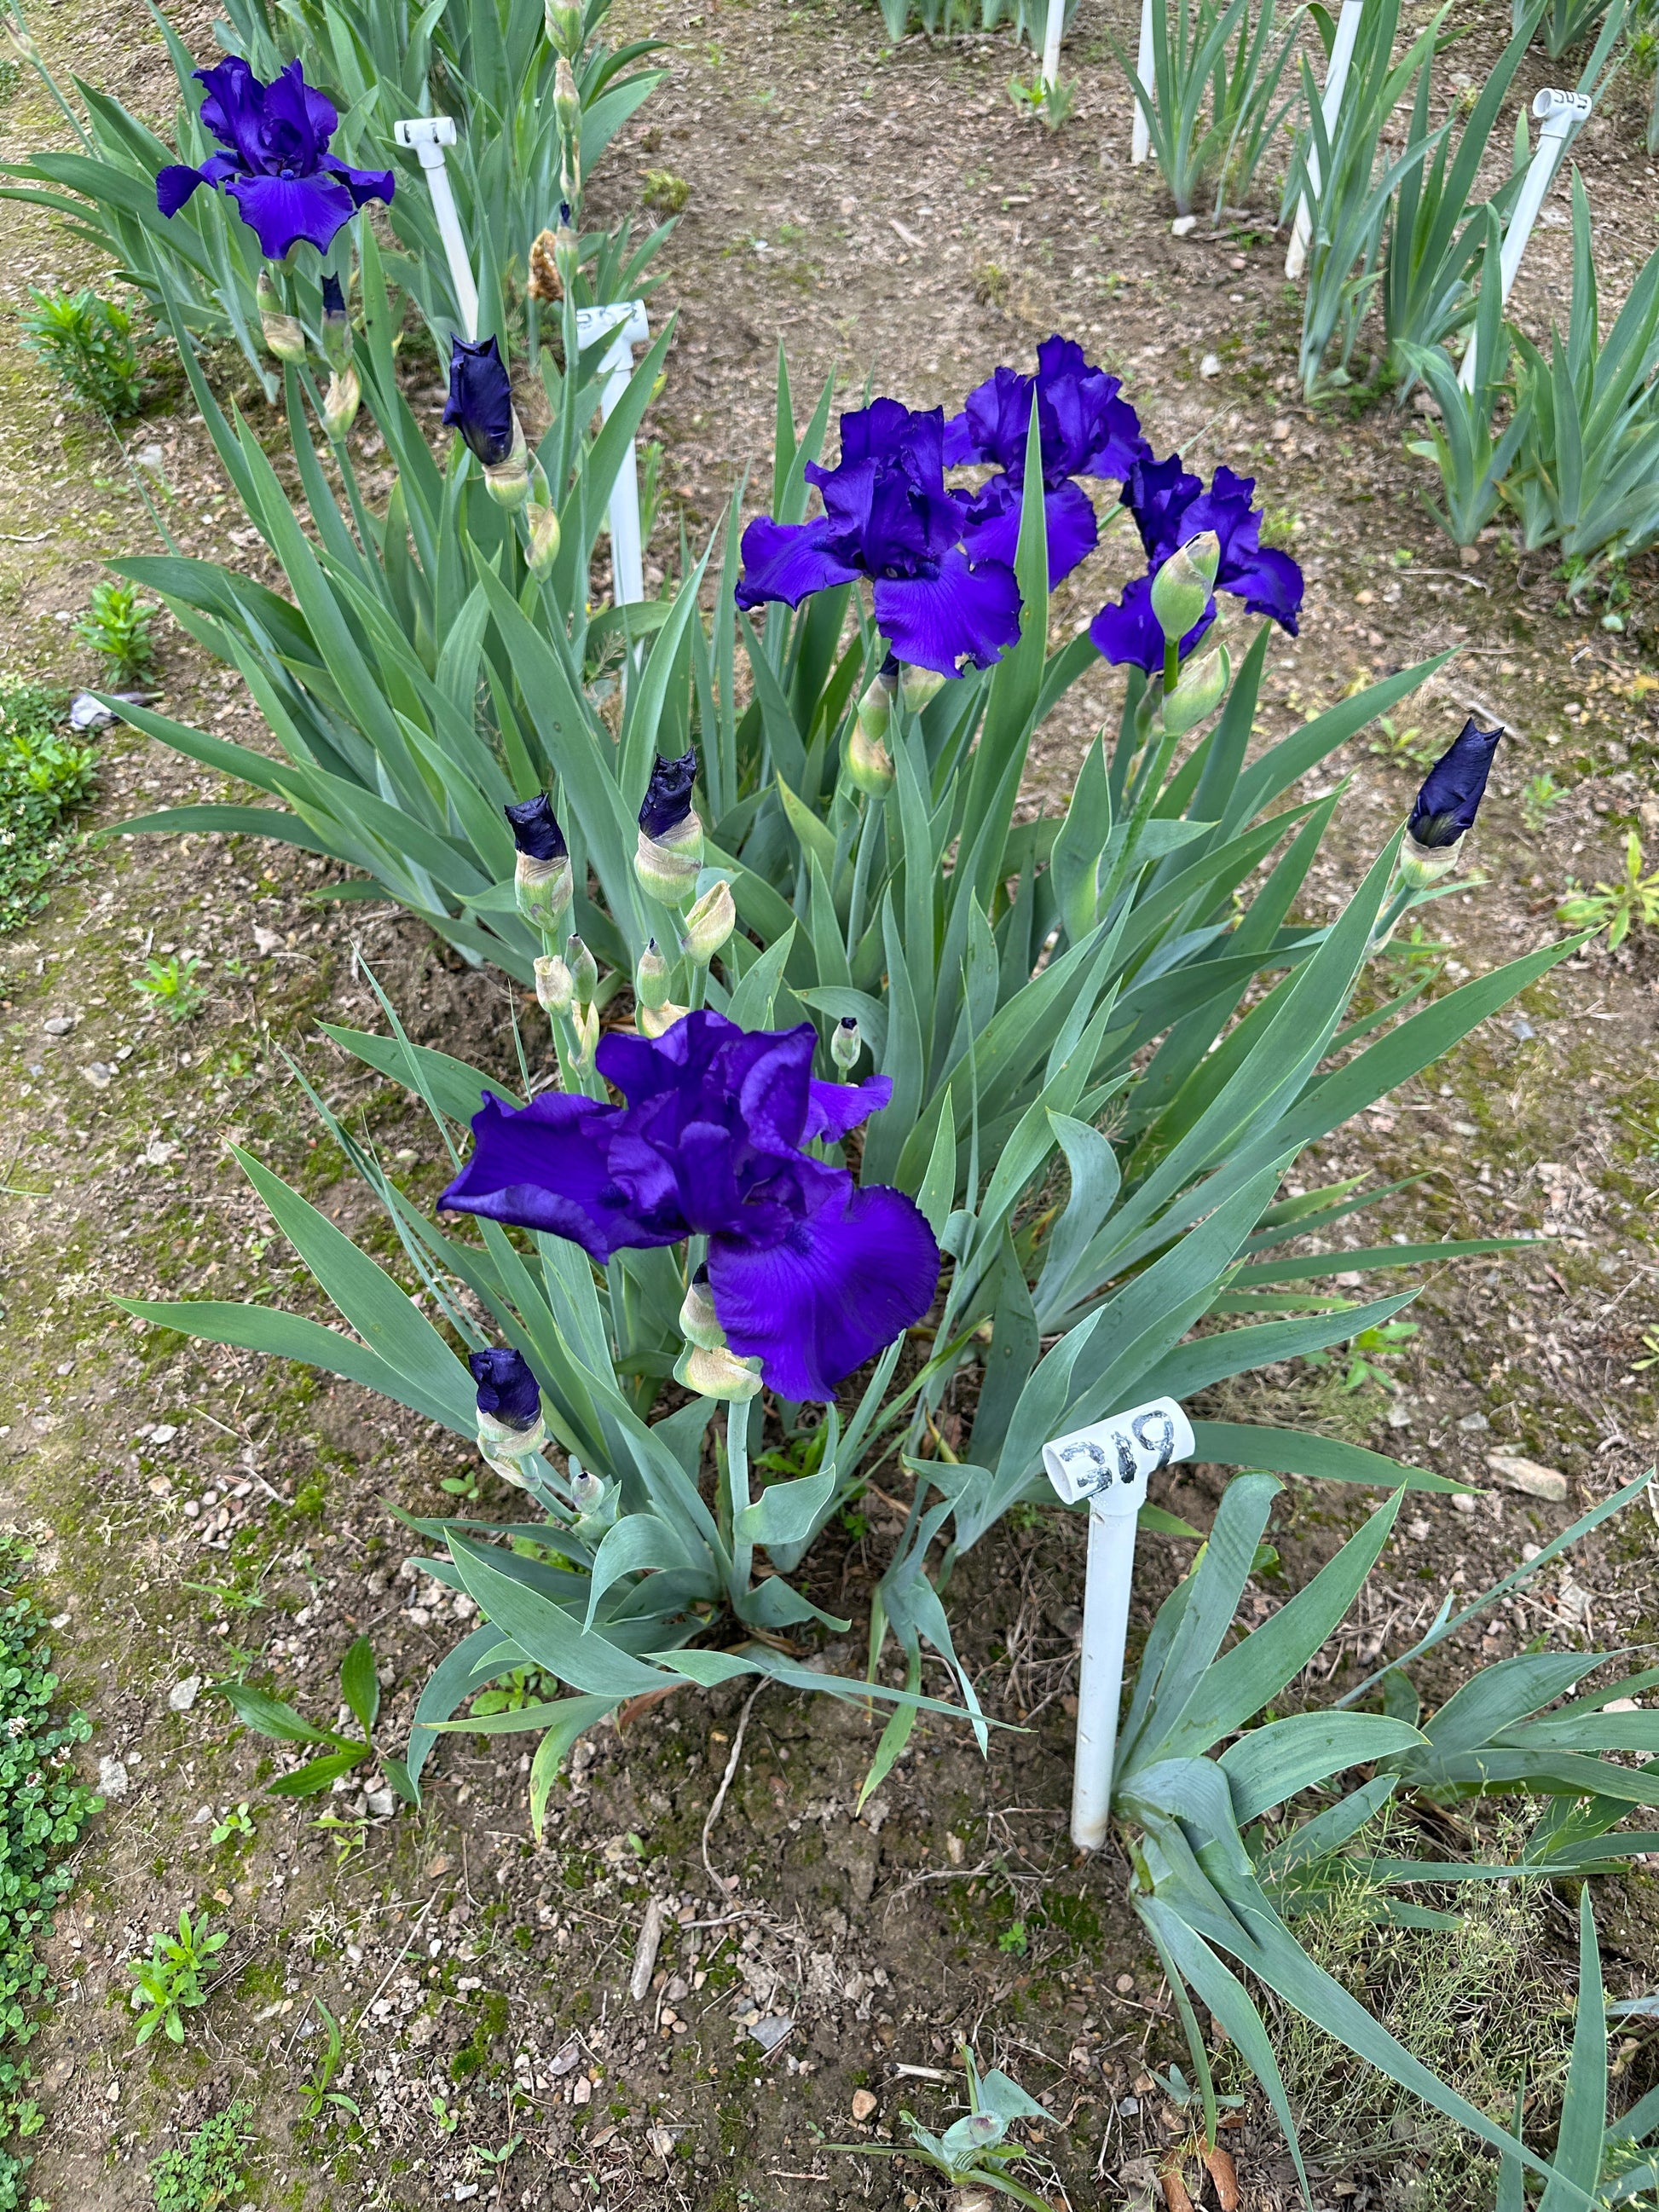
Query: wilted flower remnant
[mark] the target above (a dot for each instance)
(807, 1274)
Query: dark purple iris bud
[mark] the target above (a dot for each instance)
(807, 1272)
(668, 795)
(1452, 790)
(277, 165)
(480, 402)
(1087, 430)
(333, 296)
(536, 831)
(1171, 508)
(508, 1391)
(888, 517)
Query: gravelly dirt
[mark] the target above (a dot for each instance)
(889, 216)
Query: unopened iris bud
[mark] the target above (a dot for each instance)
(709, 920)
(555, 990)
(509, 1409)
(541, 522)
(846, 1044)
(1202, 686)
(567, 246)
(1182, 587)
(507, 481)
(651, 980)
(283, 333)
(718, 1373)
(337, 324)
(699, 1323)
(1446, 805)
(541, 879)
(584, 970)
(566, 100)
(669, 856)
(586, 1021)
(563, 25)
(868, 763)
(586, 1491)
(918, 685)
(340, 402)
(657, 1021)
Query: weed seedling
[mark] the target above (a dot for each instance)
(337, 1754)
(236, 1823)
(44, 777)
(1538, 795)
(169, 1982)
(89, 341)
(171, 987)
(665, 192)
(118, 626)
(974, 2149)
(316, 2094)
(1616, 907)
(208, 2173)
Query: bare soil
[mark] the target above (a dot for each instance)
(888, 216)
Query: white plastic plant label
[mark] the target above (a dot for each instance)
(1109, 1462)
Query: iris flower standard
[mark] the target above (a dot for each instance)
(277, 165)
(1171, 508)
(888, 517)
(808, 1273)
(1087, 430)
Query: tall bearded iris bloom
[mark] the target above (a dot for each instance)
(1170, 509)
(1087, 430)
(888, 516)
(808, 1273)
(277, 165)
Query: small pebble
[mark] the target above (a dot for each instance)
(113, 1779)
(1527, 1476)
(864, 2103)
(59, 1025)
(1209, 366)
(183, 1695)
(1183, 226)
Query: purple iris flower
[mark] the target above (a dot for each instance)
(888, 516)
(508, 1391)
(277, 167)
(535, 828)
(1087, 430)
(1171, 508)
(1452, 790)
(667, 800)
(809, 1273)
(480, 402)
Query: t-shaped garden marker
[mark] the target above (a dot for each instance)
(1109, 1464)
(1140, 136)
(1052, 31)
(426, 137)
(1563, 115)
(624, 321)
(1330, 106)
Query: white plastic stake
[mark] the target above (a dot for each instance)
(426, 137)
(1109, 1464)
(1140, 136)
(625, 321)
(1052, 30)
(1330, 106)
(1562, 114)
